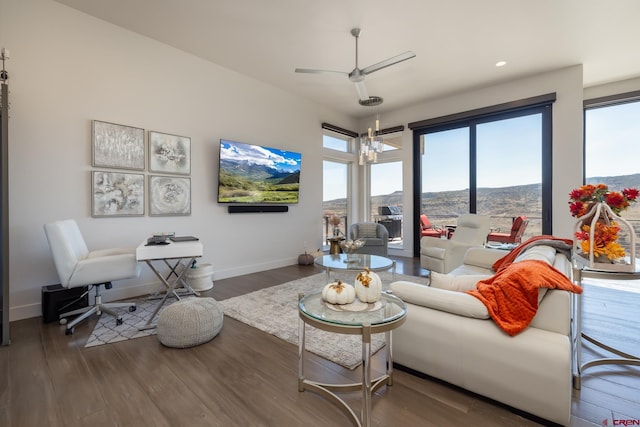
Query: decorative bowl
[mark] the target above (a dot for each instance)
(350, 247)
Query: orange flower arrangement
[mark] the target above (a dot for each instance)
(605, 235)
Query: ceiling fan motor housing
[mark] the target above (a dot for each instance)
(371, 102)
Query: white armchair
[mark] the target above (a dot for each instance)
(77, 266)
(442, 255)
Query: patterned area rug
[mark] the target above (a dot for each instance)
(257, 309)
(106, 331)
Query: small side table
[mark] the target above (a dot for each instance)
(620, 357)
(334, 247)
(391, 314)
(176, 252)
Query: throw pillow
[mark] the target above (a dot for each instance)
(367, 230)
(466, 282)
(539, 252)
(440, 299)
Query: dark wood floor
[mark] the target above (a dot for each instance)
(245, 377)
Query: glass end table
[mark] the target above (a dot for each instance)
(619, 357)
(354, 262)
(385, 315)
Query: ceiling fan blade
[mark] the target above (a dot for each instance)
(315, 71)
(362, 91)
(388, 62)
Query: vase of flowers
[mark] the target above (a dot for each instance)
(334, 220)
(599, 227)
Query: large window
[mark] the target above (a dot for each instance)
(336, 183)
(335, 143)
(509, 172)
(494, 161)
(386, 192)
(612, 147)
(445, 175)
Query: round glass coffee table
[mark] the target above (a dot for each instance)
(354, 262)
(385, 315)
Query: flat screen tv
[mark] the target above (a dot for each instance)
(257, 175)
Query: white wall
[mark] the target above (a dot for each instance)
(67, 69)
(614, 88)
(567, 134)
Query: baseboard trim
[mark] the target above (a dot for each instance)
(28, 311)
(133, 291)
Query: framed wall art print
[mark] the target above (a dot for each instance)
(117, 194)
(169, 153)
(169, 195)
(117, 146)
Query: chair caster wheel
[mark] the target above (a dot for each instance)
(132, 308)
(69, 331)
(63, 321)
(119, 322)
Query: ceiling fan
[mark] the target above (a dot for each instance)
(357, 75)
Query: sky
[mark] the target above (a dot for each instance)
(617, 126)
(282, 160)
(508, 154)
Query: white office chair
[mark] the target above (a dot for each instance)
(442, 256)
(77, 266)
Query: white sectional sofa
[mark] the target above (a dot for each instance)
(449, 335)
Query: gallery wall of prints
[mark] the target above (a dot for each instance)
(121, 184)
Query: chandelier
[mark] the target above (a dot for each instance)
(371, 145)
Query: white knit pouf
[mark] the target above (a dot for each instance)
(190, 322)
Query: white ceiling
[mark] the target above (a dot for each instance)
(457, 42)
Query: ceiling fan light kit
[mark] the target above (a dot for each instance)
(371, 145)
(357, 75)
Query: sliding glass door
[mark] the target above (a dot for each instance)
(497, 164)
(509, 172)
(445, 175)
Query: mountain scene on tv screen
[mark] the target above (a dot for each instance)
(245, 182)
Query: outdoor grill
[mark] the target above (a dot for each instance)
(391, 218)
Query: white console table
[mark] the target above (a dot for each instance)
(172, 255)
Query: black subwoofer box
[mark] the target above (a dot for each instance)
(57, 299)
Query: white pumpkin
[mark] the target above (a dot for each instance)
(368, 286)
(338, 293)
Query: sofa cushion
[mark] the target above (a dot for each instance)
(458, 303)
(466, 269)
(433, 252)
(482, 257)
(455, 283)
(540, 252)
(373, 241)
(366, 230)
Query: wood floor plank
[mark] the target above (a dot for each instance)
(33, 399)
(123, 394)
(173, 398)
(73, 380)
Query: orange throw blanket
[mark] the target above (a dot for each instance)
(508, 259)
(511, 296)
